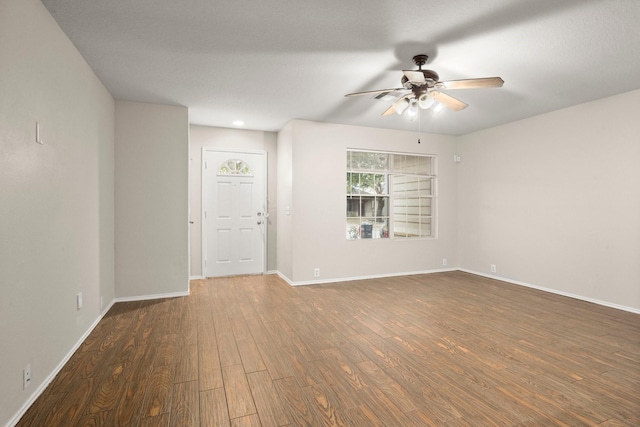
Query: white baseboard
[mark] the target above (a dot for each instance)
(43, 386)
(349, 279)
(34, 396)
(490, 276)
(554, 291)
(77, 345)
(202, 277)
(154, 296)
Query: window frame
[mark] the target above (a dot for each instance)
(392, 172)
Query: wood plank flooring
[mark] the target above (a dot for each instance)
(445, 349)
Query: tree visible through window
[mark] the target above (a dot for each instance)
(389, 195)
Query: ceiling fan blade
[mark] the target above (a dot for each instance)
(471, 83)
(389, 111)
(373, 92)
(449, 101)
(392, 96)
(415, 76)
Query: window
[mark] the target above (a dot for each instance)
(389, 195)
(234, 167)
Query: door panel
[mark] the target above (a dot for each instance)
(223, 244)
(224, 200)
(245, 247)
(246, 205)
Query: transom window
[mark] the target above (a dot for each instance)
(389, 195)
(234, 167)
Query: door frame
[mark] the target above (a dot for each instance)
(203, 188)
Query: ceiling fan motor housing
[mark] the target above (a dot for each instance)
(420, 91)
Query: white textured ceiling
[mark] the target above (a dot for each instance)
(270, 61)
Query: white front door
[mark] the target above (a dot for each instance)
(234, 208)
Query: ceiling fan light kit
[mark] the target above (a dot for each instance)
(425, 101)
(412, 110)
(423, 89)
(402, 105)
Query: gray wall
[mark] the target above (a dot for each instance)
(151, 200)
(312, 171)
(554, 201)
(284, 245)
(56, 199)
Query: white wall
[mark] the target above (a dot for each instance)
(56, 199)
(284, 244)
(229, 139)
(318, 204)
(554, 201)
(151, 199)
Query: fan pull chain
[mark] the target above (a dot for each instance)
(419, 125)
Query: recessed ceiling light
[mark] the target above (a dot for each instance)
(238, 123)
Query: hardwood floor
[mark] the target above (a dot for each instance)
(445, 349)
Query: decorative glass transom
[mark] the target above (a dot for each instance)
(234, 167)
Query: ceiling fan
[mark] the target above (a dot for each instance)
(422, 89)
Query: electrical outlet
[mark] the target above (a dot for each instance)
(26, 376)
(79, 300)
(316, 272)
(444, 262)
(493, 268)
